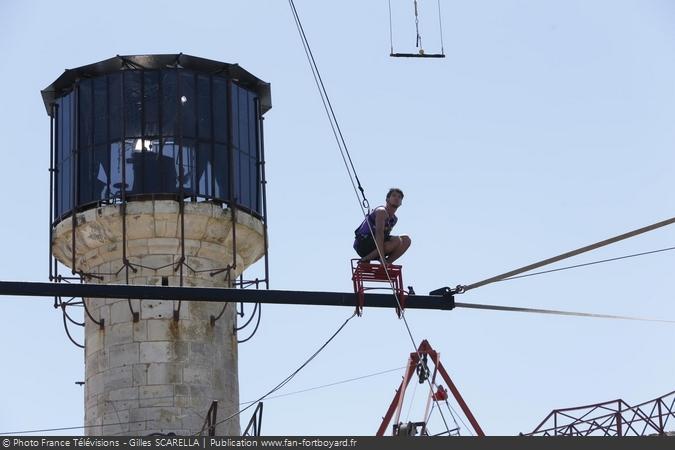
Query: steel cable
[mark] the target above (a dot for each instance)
(291, 376)
(556, 312)
(566, 255)
(345, 155)
(589, 263)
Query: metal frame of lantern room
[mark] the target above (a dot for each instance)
(157, 127)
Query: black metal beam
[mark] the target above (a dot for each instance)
(218, 295)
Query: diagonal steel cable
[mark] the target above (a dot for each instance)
(566, 255)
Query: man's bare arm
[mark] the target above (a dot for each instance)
(380, 218)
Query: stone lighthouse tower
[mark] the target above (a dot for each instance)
(158, 179)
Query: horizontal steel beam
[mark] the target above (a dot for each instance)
(218, 295)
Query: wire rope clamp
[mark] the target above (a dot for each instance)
(366, 272)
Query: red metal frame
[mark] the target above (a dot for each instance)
(365, 272)
(612, 418)
(397, 402)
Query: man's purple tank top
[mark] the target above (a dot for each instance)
(364, 231)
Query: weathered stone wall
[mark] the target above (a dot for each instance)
(159, 375)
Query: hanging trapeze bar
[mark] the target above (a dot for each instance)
(418, 37)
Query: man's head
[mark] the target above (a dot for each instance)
(395, 197)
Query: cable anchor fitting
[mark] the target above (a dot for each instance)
(448, 294)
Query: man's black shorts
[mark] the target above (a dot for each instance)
(365, 244)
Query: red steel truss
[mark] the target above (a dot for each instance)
(612, 418)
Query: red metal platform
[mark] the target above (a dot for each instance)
(367, 272)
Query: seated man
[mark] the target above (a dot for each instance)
(379, 223)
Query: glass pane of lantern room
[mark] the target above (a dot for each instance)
(64, 193)
(66, 127)
(100, 110)
(187, 103)
(66, 187)
(243, 120)
(85, 141)
(115, 168)
(151, 104)
(255, 184)
(169, 101)
(243, 182)
(57, 155)
(204, 107)
(235, 116)
(252, 125)
(85, 114)
(254, 153)
(169, 164)
(101, 171)
(188, 159)
(58, 138)
(204, 172)
(115, 105)
(146, 161)
(132, 103)
(85, 176)
(221, 173)
(132, 168)
(220, 109)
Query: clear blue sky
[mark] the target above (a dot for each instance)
(548, 126)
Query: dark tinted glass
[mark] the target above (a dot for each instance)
(204, 107)
(254, 152)
(151, 103)
(188, 107)
(254, 184)
(58, 130)
(243, 180)
(86, 113)
(115, 105)
(204, 169)
(169, 99)
(65, 150)
(235, 116)
(220, 109)
(169, 175)
(221, 172)
(132, 103)
(147, 168)
(85, 176)
(58, 157)
(188, 154)
(243, 122)
(101, 172)
(115, 168)
(67, 127)
(120, 118)
(100, 110)
(132, 178)
(66, 185)
(252, 126)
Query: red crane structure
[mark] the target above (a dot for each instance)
(418, 363)
(611, 418)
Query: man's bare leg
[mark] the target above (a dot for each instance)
(390, 247)
(405, 242)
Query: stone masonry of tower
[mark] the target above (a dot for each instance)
(158, 374)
